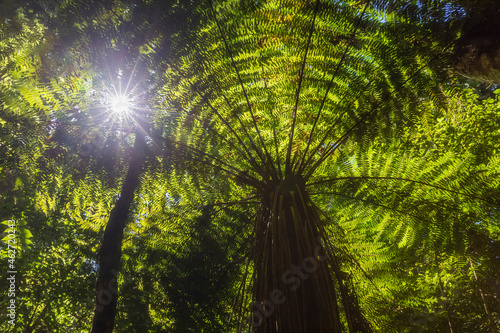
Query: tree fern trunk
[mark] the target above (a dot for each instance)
(110, 252)
(297, 286)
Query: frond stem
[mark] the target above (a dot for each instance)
(247, 178)
(228, 50)
(250, 158)
(288, 165)
(400, 179)
(318, 115)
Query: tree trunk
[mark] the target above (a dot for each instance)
(477, 53)
(493, 328)
(445, 306)
(297, 279)
(110, 252)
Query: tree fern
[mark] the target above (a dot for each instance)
(335, 127)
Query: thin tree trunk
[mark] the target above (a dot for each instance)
(110, 252)
(491, 322)
(448, 318)
(31, 324)
(497, 293)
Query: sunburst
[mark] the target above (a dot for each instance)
(121, 105)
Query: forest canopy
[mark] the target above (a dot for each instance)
(250, 166)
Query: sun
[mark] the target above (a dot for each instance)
(119, 110)
(120, 101)
(121, 105)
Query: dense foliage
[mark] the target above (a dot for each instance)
(292, 166)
